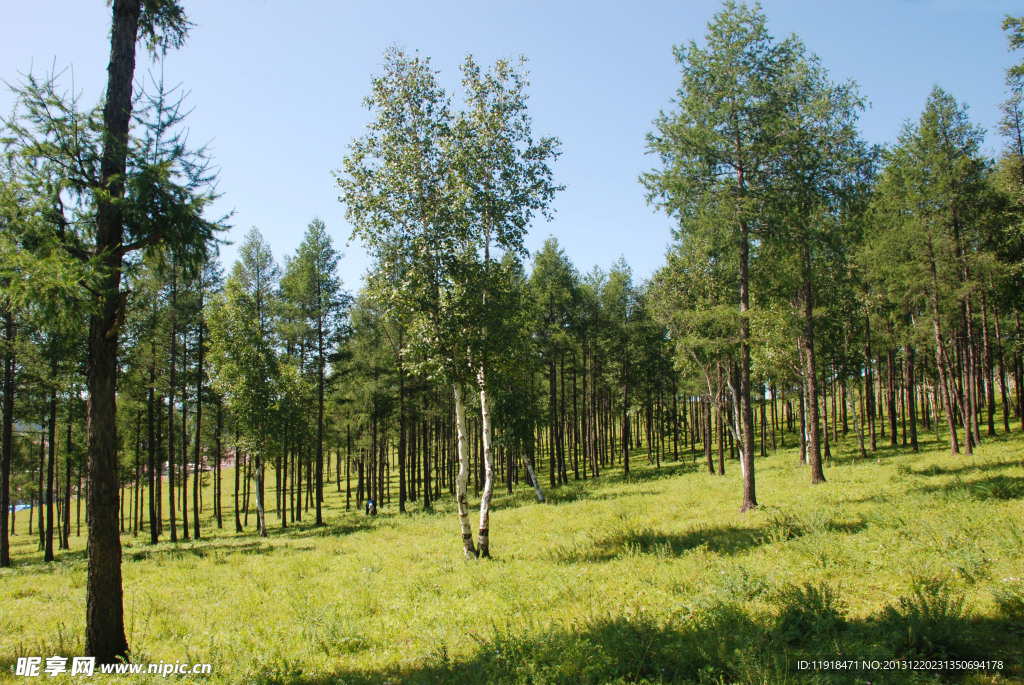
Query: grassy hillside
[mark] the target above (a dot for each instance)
(653, 579)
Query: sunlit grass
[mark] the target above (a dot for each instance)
(653, 579)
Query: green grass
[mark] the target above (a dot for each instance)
(653, 579)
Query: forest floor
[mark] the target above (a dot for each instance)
(912, 561)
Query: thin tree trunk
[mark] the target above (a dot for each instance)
(911, 397)
(488, 489)
(7, 439)
(462, 480)
(747, 455)
(170, 406)
(67, 475)
(320, 418)
(1002, 369)
(954, 445)
(988, 376)
(891, 395)
(51, 461)
(814, 447)
(199, 425)
(218, 500)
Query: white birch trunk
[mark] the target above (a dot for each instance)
(462, 480)
(257, 476)
(533, 480)
(734, 426)
(485, 497)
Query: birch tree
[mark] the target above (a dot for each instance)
(433, 194)
(398, 188)
(506, 179)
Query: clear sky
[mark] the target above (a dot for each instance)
(277, 86)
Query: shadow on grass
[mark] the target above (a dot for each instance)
(727, 540)
(711, 643)
(199, 549)
(999, 487)
(961, 468)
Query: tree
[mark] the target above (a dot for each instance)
(398, 188)
(46, 130)
(930, 198)
(553, 286)
(505, 177)
(432, 195)
(822, 158)
(721, 147)
(322, 302)
(245, 364)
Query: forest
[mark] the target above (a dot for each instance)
(833, 322)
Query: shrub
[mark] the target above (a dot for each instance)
(809, 614)
(928, 623)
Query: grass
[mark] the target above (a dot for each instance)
(653, 579)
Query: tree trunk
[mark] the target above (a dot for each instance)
(170, 406)
(104, 622)
(1002, 369)
(462, 480)
(51, 460)
(988, 376)
(184, 449)
(891, 395)
(7, 439)
(258, 476)
(911, 397)
(954, 445)
(238, 479)
(320, 419)
(747, 457)
(218, 499)
(402, 444)
(869, 383)
(67, 475)
(488, 489)
(811, 377)
(199, 426)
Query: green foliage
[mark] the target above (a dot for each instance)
(1009, 598)
(633, 581)
(929, 623)
(809, 614)
(244, 359)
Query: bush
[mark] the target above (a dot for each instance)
(809, 614)
(929, 623)
(1010, 602)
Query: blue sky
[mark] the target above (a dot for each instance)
(277, 88)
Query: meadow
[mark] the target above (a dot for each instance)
(904, 558)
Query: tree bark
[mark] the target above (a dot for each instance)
(988, 376)
(104, 631)
(51, 460)
(320, 415)
(1002, 369)
(747, 457)
(954, 445)
(7, 439)
(813, 444)
(199, 423)
(217, 500)
(462, 479)
(488, 489)
(67, 475)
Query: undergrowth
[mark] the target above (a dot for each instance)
(652, 579)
